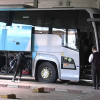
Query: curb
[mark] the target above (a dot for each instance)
(49, 89)
(23, 87)
(3, 85)
(45, 88)
(74, 91)
(12, 86)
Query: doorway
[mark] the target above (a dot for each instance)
(87, 40)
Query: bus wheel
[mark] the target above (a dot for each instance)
(46, 73)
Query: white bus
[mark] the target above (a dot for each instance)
(59, 40)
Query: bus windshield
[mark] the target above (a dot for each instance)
(97, 25)
(98, 30)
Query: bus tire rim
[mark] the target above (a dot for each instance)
(46, 73)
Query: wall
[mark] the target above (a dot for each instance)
(53, 3)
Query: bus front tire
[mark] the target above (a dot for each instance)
(47, 73)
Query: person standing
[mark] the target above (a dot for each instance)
(95, 70)
(19, 66)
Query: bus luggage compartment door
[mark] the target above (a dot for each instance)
(18, 38)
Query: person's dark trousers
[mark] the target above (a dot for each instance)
(16, 72)
(20, 72)
(95, 77)
(18, 69)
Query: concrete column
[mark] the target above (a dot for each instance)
(98, 4)
(50, 30)
(35, 3)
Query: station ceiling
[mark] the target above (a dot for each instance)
(54, 3)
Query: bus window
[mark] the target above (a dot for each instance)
(41, 30)
(60, 19)
(70, 39)
(59, 32)
(98, 28)
(3, 18)
(34, 18)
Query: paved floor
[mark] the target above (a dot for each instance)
(59, 86)
(60, 92)
(26, 94)
(88, 96)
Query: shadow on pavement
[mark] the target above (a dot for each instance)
(59, 82)
(81, 83)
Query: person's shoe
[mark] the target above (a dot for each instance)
(93, 87)
(13, 80)
(18, 80)
(97, 88)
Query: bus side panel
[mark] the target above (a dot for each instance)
(18, 38)
(71, 70)
(45, 44)
(2, 37)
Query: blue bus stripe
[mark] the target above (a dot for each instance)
(20, 9)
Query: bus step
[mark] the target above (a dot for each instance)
(86, 67)
(86, 75)
(86, 72)
(89, 77)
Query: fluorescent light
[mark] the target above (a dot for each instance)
(25, 16)
(96, 1)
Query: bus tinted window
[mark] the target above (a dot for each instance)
(67, 19)
(28, 17)
(45, 21)
(3, 18)
(57, 21)
(96, 15)
(84, 15)
(61, 19)
(34, 18)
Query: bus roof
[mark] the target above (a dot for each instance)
(15, 7)
(31, 8)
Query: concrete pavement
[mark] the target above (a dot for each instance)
(30, 83)
(27, 94)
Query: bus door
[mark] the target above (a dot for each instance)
(70, 56)
(87, 40)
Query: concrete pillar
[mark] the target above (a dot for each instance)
(35, 3)
(98, 4)
(50, 30)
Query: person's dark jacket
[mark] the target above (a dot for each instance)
(96, 60)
